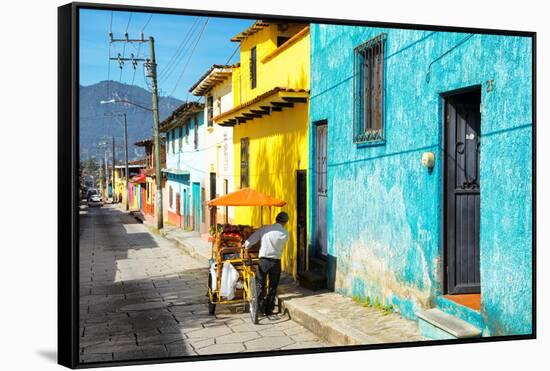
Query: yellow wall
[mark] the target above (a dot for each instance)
(120, 187)
(278, 147)
(278, 143)
(289, 69)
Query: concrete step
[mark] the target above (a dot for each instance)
(341, 321)
(436, 324)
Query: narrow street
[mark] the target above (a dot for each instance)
(141, 297)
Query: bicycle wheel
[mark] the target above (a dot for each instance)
(211, 306)
(253, 300)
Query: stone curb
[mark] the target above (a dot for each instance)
(334, 332)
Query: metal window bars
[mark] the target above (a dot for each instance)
(368, 95)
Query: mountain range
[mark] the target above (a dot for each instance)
(97, 125)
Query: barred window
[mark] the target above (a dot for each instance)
(170, 197)
(210, 110)
(369, 91)
(174, 141)
(196, 132)
(187, 132)
(253, 68)
(244, 163)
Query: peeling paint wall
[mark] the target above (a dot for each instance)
(385, 221)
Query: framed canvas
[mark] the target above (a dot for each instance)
(241, 185)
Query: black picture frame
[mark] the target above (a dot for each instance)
(68, 155)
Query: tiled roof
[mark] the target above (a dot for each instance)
(180, 114)
(215, 74)
(257, 26)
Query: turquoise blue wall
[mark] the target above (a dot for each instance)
(385, 209)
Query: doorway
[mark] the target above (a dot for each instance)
(462, 191)
(321, 192)
(301, 219)
(196, 201)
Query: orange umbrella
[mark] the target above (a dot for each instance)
(246, 197)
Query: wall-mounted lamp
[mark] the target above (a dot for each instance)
(428, 160)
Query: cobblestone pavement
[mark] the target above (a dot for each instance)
(141, 297)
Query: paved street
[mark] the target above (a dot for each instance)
(141, 297)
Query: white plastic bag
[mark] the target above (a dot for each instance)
(214, 274)
(230, 276)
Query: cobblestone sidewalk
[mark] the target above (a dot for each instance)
(141, 297)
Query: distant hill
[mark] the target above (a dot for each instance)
(94, 126)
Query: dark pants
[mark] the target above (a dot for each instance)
(268, 268)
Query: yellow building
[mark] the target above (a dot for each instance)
(270, 127)
(134, 168)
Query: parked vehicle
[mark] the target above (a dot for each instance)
(95, 199)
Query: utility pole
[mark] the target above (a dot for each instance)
(126, 161)
(151, 72)
(156, 132)
(106, 191)
(113, 178)
(100, 176)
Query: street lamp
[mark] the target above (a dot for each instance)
(125, 102)
(156, 138)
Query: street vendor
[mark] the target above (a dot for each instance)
(272, 238)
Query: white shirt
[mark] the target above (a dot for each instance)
(273, 238)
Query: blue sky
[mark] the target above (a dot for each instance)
(169, 31)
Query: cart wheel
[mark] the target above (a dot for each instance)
(211, 306)
(253, 300)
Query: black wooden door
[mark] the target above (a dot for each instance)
(301, 218)
(462, 114)
(321, 190)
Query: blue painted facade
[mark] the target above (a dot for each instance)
(385, 210)
(185, 165)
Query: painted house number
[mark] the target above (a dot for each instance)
(470, 136)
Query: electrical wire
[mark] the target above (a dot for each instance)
(139, 46)
(180, 52)
(190, 56)
(124, 44)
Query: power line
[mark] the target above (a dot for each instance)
(233, 54)
(139, 46)
(124, 45)
(172, 62)
(190, 56)
(147, 23)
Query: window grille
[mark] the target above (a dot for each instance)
(245, 163)
(368, 93)
(253, 68)
(196, 128)
(210, 110)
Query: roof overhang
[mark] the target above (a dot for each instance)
(274, 100)
(180, 115)
(214, 76)
(176, 171)
(130, 166)
(257, 26)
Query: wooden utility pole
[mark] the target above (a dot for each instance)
(127, 205)
(113, 179)
(151, 72)
(156, 132)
